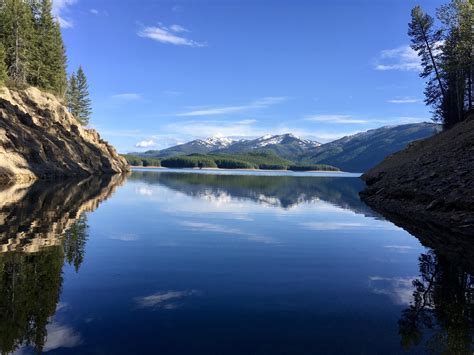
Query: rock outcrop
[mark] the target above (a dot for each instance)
(40, 139)
(430, 183)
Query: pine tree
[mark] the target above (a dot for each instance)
(72, 95)
(447, 59)
(79, 103)
(83, 99)
(425, 41)
(17, 30)
(49, 55)
(3, 66)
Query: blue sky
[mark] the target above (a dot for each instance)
(165, 72)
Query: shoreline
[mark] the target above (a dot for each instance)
(265, 170)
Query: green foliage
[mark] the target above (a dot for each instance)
(50, 73)
(74, 242)
(3, 66)
(267, 161)
(79, 103)
(30, 284)
(34, 49)
(17, 35)
(189, 161)
(447, 58)
(134, 160)
(313, 167)
(229, 163)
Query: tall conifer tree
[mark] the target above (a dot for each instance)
(3, 66)
(83, 99)
(17, 31)
(79, 103)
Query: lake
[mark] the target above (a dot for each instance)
(219, 262)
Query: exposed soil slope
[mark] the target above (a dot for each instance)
(39, 138)
(430, 182)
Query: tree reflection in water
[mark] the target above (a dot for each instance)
(441, 315)
(45, 225)
(74, 241)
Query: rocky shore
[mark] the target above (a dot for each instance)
(40, 139)
(429, 184)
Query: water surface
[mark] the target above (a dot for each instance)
(177, 262)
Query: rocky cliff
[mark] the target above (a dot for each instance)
(39, 138)
(431, 182)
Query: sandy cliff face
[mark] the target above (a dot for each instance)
(430, 182)
(39, 138)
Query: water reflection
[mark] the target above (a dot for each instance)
(278, 191)
(440, 318)
(319, 273)
(43, 225)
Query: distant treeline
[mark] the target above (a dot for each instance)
(263, 161)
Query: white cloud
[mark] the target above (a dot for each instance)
(166, 35)
(222, 229)
(405, 100)
(337, 119)
(145, 144)
(61, 336)
(399, 289)
(178, 28)
(402, 58)
(128, 237)
(164, 300)
(128, 96)
(61, 6)
(94, 11)
(328, 226)
(260, 103)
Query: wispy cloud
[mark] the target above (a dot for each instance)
(336, 119)
(402, 58)
(169, 35)
(405, 100)
(258, 104)
(128, 96)
(59, 8)
(165, 300)
(329, 226)
(145, 144)
(178, 29)
(221, 229)
(94, 11)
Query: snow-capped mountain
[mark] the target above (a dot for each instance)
(197, 146)
(217, 142)
(285, 145)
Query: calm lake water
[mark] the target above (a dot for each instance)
(167, 262)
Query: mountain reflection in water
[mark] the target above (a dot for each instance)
(279, 191)
(45, 225)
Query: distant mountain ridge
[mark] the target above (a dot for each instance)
(285, 145)
(355, 153)
(362, 151)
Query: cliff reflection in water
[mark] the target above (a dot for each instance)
(42, 226)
